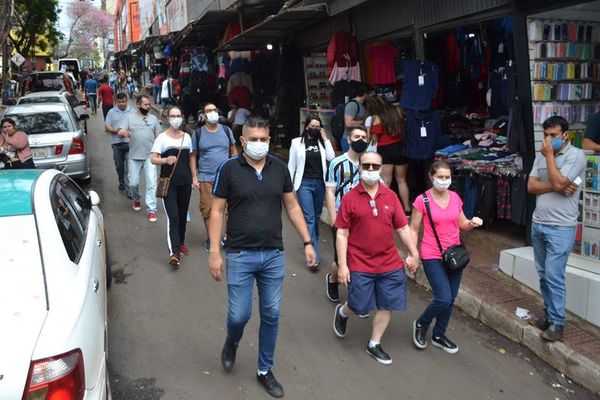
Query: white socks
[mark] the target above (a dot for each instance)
(372, 344)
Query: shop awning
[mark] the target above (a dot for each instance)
(208, 28)
(277, 27)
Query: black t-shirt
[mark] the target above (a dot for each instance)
(253, 201)
(167, 146)
(313, 167)
(593, 128)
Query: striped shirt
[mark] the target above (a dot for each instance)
(342, 170)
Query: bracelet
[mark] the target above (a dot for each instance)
(310, 242)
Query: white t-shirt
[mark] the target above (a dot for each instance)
(369, 122)
(240, 116)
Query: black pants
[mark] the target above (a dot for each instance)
(106, 109)
(120, 152)
(176, 206)
(28, 164)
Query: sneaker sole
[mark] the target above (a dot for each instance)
(334, 316)
(379, 360)
(327, 289)
(417, 345)
(447, 350)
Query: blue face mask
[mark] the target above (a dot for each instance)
(556, 143)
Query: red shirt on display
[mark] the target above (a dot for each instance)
(384, 58)
(371, 246)
(106, 94)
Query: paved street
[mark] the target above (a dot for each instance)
(166, 328)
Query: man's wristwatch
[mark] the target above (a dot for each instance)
(310, 242)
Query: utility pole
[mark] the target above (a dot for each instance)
(7, 9)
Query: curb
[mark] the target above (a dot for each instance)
(570, 362)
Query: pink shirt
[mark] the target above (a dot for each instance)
(446, 224)
(20, 142)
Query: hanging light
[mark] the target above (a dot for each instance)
(269, 46)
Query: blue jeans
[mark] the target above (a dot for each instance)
(266, 266)
(156, 93)
(311, 195)
(134, 175)
(444, 285)
(92, 98)
(552, 245)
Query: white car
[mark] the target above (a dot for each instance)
(53, 283)
(67, 98)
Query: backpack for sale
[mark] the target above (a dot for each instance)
(338, 125)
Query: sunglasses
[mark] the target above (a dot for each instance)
(374, 207)
(373, 166)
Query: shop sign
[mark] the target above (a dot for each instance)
(147, 16)
(177, 14)
(163, 24)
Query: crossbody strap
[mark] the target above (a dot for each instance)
(437, 239)
(178, 154)
(341, 188)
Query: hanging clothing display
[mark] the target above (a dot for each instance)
(383, 58)
(423, 128)
(342, 58)
(420, 84)
(240, 79)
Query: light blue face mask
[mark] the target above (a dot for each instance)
(557, 143)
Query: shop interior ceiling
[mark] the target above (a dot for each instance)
(583, 12)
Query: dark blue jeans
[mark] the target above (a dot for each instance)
(311, 195)
(266, 266)
(444, 285)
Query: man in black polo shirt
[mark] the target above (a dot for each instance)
(254, 186)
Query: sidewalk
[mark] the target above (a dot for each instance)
(490, 296)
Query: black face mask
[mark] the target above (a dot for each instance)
(313, 132)
(144, 111)
(359, 146)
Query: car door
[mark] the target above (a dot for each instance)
(90, 262)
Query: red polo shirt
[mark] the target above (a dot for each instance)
(371, 246)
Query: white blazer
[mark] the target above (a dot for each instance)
(297, 159)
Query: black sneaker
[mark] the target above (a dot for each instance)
(445, 344)
(331, 289)
(228, 354)
(377, 353)
(339, 322)
(419, 335)
(122, 186)
(271, 385)
(207, 245)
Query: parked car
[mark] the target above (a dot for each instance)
(53, 285)
(44, 81)
(56, 136)
(62, 96)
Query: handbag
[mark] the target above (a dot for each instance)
(454, 258)
(162, 186)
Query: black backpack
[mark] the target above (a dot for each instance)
(338, 126)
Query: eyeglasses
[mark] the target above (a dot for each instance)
(374, 207)
(373, 166)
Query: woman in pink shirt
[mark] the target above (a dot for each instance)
(449, 219)
(14, 147)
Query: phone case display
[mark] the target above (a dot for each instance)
(318, 90)
(590, 215)
(565, 69)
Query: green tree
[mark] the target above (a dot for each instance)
(35, 24)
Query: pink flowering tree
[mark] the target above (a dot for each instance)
(86, 24)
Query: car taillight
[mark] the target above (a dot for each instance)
(77, 146)
(56, 378)
(58, 150)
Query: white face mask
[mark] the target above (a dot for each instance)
(175, 122)
(212, 117)
(257, 150)
(370, 177)
(441, 184)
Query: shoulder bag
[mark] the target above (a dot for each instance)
(162, 186)
(454, 258)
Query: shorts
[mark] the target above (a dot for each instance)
(392, 154)
(334, 234)
(385, 291)
(206, 197)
